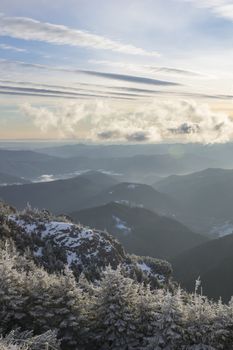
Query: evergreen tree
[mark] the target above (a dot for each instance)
(116, 312)
(16, 340)
(168, 322)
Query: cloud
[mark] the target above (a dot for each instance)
(63, 92)
(221, 8)
(91, 90)
(30, 29)
(83, 87)
(113, 76)
(157, 121)
(113, 135)
(186, 128)
(130, 78)
(12, 48)
(146, 68)
(109, 135)
(60, 96)
(138, 136)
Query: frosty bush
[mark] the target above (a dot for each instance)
(32, 299)
(114, 313)
(25, 341)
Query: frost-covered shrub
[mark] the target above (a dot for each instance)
(32, 299)
(119, 310)
(16, 340)
(116, 312)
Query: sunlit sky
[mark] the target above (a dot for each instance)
(117, 71)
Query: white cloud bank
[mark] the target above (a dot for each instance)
(158, 121)
(30, 29)
(221, 8)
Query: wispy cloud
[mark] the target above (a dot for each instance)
(221, 8)
(89, 90)
(112, 76)
(71, 94)
(130, 78)
(31, 29)
(81, 86)
(12, 48)
(146, 68)
(159, 120)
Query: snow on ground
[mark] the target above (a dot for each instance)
(144, 267)
(109, 172)
(38, 252)
(69, 236)
(222, 229)
(53, 227)
(4, 184)
(72, 258)
(54, 177)
(121, 225)
(129, 204)
(147, 269)
(46, 178)
(132, 186)
(29, 228)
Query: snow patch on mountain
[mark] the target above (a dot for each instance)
(129, 203)
(109, 172)
(4, 184)
(144, 267)
(132, 186)
(56, 242)
(80, 243)
(223, 229)
(55, 177)
(148, 270)
(121, 225)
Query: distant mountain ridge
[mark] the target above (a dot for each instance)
(220, 152)
(84, 191)
(205, 197)
(6, 179)
(141, 231)
(30, 164)
(212, 262)
(60, 196)
(56, 242)
(27, 164)
(136, 194)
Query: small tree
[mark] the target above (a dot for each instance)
(116, 312)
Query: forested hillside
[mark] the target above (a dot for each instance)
(129, 303)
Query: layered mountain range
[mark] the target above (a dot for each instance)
(148, 202)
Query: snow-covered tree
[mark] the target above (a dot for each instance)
(16, 340)
(119, 310)
(167, 333)
(116, 312)
(32, 299)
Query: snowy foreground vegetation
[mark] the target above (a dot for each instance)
(119, 309)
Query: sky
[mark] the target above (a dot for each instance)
(117, 71)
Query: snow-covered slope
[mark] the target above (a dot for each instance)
(140, 231)
(56, 242)
(80, 245)
(222, 229)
